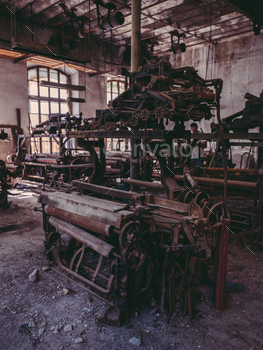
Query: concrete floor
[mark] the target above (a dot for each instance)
(48, 310)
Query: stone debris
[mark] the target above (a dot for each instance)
(34, 276)
(46, 268)
(66, 291)
(101, 314)
(41, 331)
(68, 328)
(135, 341)
(78, 340)
(54, 329)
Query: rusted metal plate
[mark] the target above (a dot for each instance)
(166, 203)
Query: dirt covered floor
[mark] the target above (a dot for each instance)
(38, 315)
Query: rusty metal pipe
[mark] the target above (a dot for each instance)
(201, 180)
(112, 170)
(220, 183)
(84, 237)
(154, 185)
(71, 166)
(79, 220)
(50, 161)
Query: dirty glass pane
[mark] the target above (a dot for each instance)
(34, 120)
(32, 74)
(64, 108)
(62, 78)
(35, 145)
(53, 76)
(32, 88)
(54, 107)
(108, 97)
(63, 94)
(109, 86)
(43, 74)
(44, 117)
(33, 106)
(43, 91)
(122, 87)
(45, 145)
(44, 107)
(115, 86)
(55, 147)
(54, 92)
(114, 96)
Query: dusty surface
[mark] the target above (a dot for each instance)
(43, 305)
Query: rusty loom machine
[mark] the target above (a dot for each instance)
(127, 245)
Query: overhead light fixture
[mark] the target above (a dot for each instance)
(113, 19)
(177, 47)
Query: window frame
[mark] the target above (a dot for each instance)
(118, 81)
(49, 99)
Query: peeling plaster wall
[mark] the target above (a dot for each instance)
(96, 97)
(245, 76)
(13, 95)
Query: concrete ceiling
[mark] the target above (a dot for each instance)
(198, 19)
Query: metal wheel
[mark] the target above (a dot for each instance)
(134, 120)
(128, 232)
(159, 113)
(217, 213)
(145, 114)
(189, 196)
(201, 199)
(134, 254)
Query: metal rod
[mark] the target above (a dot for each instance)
(80, 285)
(133, 196)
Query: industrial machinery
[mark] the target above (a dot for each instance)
(134, 246)
(147, 249)
(251, 115)
(114, 231)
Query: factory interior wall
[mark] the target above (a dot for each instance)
(95, 95)
(238, 61)
(13, 95)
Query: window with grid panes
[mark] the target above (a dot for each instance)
(114, 89)
(44, 101)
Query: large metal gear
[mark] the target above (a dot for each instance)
(159, 113)
(134, 120)
(145, 114)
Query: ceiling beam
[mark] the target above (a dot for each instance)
(22, 8)
(253, 9)
(6, 3)
(23, 58)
